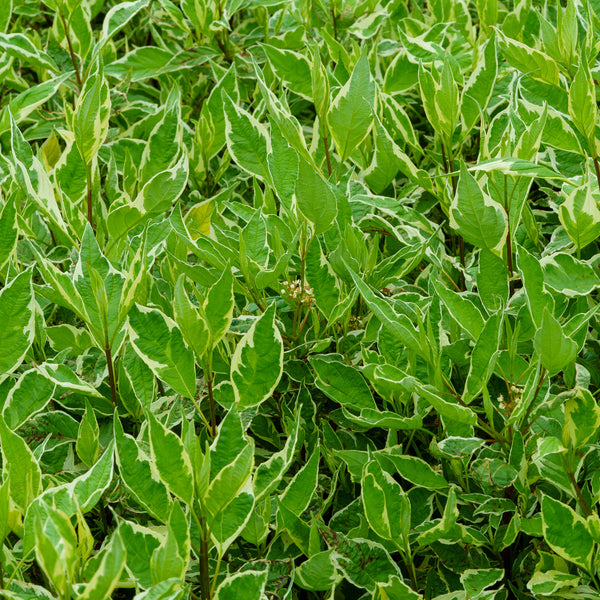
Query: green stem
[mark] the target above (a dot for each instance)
(211, 402)
(449, 168)
(597, 168)
(326, 145)
(334, 19)
(580, 499)
(509, 252)
(111, 374)
(90, 215)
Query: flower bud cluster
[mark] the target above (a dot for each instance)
(302, 295)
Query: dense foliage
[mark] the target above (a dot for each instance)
(299, 299)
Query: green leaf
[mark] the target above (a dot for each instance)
(228, 484)
(462, 309)
(582, 103)
(165, 140)
(117, 17)
(299, 492)
(172, 461)
(483, 358)
(580, 216)
(318, 573)
(396, 589)
(533, 283)
(192, 325)
(8, 232)
(321, 278)
(161, 191)
(229, 523)
(166, 561)
(528, 60)
(88, 445)
(108, 573)
(21, 47)
(570, 276)
(140, 543)
(24, 472)
(364, 563)
(92, 113)
(315, 198)
(292, 68)
(139, 475)
(398, 324)
(492, 281)
(582, 419)
(249, 585)
(101, 291)
(555, 349)
(386, 505)
(445, 408)
(219, 305)
(476, 217)
(257, 363)
(415, 470)
(270, 472)
(248, 141)
(17, 305)
(475, 581)
(567, 533)
(342, 383)
(350, 115)
(27, 398)
(159, 343)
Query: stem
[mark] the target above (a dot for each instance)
(111, 374)
(411, 566)
(580, 499)
(509, 253)
(449, 167)
(214, 583)
(326, 144)
(88, 174)
(203, 559)
(543, 374)
(71, 51)
(303, 323)
(597, 167)
(211, 402)
(334, 19)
